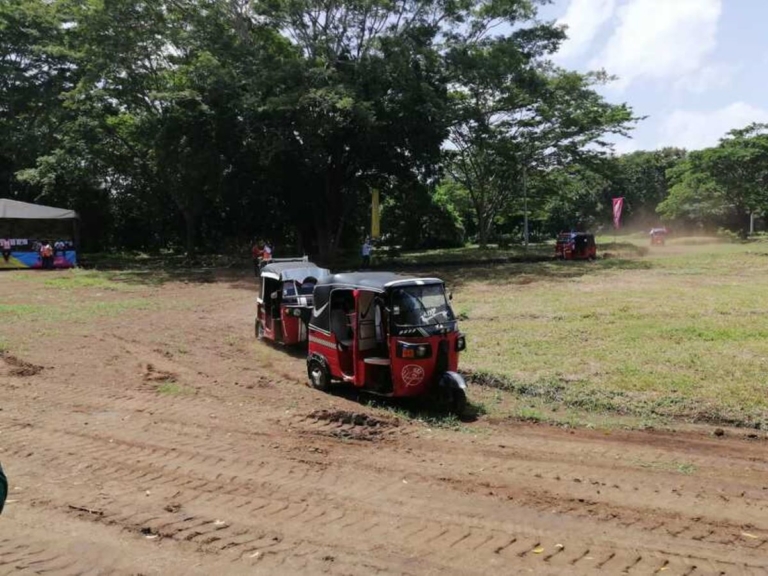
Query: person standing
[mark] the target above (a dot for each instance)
(366, 253)
(46, 253)
(266, 254)
(5, 247)
(256, 254)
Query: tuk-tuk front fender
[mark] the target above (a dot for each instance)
(452, 380)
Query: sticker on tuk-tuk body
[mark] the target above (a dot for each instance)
(412, 375)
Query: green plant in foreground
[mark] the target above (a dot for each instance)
(172, 388)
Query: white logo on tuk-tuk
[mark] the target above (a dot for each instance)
(412, 375)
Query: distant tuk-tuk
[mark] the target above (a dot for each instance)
(387, 334)
(575, 246)
(658, 236)
(285, 301)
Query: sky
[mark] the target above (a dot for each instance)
(695, 68)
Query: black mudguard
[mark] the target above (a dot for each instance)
(452, 380)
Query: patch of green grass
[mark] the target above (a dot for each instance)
(79, 279)
(669, 466)
(71, 311)
(172, 388)
(425, 417)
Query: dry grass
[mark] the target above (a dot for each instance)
(681, 336)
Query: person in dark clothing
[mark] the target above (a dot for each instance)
(3, 489)
(5, 246)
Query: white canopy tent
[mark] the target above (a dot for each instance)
(13, 209)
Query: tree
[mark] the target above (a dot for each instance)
(369, 105)
(724, 184)
(517, 114)
(34, 70)
(641, 178)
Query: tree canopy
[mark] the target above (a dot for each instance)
(203, 123)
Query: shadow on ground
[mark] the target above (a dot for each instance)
(416, 409)
(454, 275)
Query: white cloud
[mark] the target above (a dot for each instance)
(660, 39)
(694, 130)
(707, 78)
(584, 19)
(626, 146)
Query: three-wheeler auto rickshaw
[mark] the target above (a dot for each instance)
(389, 335)
(575, 246)
(658, 236)
(285, 301)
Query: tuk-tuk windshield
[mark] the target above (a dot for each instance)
(420, 306)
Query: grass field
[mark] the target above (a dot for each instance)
(678, 334)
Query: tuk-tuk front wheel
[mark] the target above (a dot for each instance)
(319, 378)
(259, 329)
(454, 401)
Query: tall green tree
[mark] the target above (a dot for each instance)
(516, 114)
(723, 184)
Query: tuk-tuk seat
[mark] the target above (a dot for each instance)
(377, 361)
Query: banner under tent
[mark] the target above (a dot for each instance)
(25, 227)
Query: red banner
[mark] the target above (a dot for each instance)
(618, 206)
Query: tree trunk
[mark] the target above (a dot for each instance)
(484, 225)
(190, 221)
(329, 218)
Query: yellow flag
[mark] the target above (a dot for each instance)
(375, 216)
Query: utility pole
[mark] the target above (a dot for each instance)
(525, 209)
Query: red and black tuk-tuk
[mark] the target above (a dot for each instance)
(285, 301)
(575, 246)
(387, 334)
(658, 236)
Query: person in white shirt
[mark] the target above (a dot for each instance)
(5, 247)
(366, 252)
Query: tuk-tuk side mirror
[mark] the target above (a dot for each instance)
(450, 295)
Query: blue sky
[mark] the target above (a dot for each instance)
(696, 68)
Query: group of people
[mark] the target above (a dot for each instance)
(45, 250)
(261, 254)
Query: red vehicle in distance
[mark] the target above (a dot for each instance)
(575, 246)
(390, 335)
(658, 236)
(285, 302)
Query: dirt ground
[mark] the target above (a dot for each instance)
(162, 439)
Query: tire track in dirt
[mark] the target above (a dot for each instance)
(286, 491)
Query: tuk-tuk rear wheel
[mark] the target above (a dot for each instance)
(319, 378)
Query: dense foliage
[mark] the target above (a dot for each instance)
(202, 124)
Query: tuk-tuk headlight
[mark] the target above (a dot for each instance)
(415, 351)
(461, 343)
(296, 312)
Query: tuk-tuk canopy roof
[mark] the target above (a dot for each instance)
(298, 270)
(14, 209)
(374, 281)
(379, 281)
